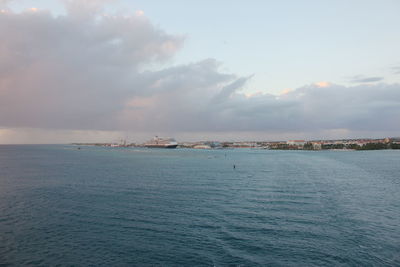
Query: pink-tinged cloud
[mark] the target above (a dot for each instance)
(322, 84)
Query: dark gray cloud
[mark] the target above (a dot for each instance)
(362, 79)
(84, 71)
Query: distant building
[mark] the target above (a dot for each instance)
(316, 145)
(395, 140)
(296, 143)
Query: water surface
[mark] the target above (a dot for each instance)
(125, 206)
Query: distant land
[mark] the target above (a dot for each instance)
(340, 144)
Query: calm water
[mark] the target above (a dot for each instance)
(116, 206)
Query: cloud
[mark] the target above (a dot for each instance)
(88, 72)
(139, 12)
(322, 84)
(74, 73)
(396, 70)
(4, 3)
(309, 108)
(362, 79)
(227, 91)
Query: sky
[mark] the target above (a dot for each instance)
(101, 71)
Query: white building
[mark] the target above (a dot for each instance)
(296, 142)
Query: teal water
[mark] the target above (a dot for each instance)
(142, 207)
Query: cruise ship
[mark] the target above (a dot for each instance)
(158, 142)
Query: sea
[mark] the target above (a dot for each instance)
(98, 206)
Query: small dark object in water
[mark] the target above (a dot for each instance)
(234, 166)
(79, 148)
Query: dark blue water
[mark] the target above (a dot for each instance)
(104, 206)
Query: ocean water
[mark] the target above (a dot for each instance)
(152, 207)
